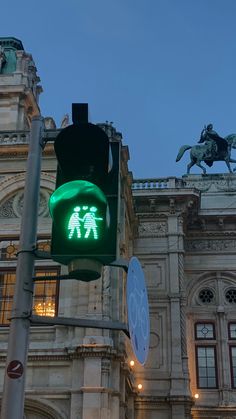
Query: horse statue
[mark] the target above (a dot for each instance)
(210, 152)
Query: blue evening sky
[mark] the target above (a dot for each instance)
(159, 69)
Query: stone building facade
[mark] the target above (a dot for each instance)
(186, 242)
(184, 233)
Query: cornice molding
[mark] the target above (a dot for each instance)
(76, 353)
(212, 246)
(21, 150)
(149, 402)
(207, 234)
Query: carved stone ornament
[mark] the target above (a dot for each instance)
(212, 183)
(13, 207)
(6, 210)
(203, 293)
(106, 365)
(49, 123)
(154, 340)
(210, 245)
(151, 229)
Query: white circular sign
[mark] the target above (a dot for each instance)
(138, 310)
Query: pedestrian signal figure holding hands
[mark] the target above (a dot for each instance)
(74, 223)
(90, 222)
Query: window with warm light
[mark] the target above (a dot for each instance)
(45, 294)
(7, 285)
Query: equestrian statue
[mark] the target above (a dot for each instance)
(214, 148)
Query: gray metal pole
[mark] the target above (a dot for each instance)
(18, 343)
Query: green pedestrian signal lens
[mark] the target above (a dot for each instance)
(80, 212)
(83, 223)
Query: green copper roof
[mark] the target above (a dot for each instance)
(10, 46)
(11, 43)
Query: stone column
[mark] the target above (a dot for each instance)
(92, 389)
(183, 308)
(175, 314)
(224, 358)
(76, 384)
(19, 61)
(2, 58)
(179, 364)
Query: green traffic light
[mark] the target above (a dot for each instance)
(81, 207)
(85, 212)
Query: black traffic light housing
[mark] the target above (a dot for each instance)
(84, 204)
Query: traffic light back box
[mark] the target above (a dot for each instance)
(85, 220)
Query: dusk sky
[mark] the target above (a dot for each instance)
(158, 69)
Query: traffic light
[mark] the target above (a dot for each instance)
(84, 204)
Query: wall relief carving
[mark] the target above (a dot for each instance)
(224, 183)
(6, 210)
(156, 275)
(13, 207)
(152, 228)
(210, 245)
(157, 359)
(154, 340)
(211, 234)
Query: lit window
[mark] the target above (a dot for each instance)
(7, 285)
(9, 249)
(45, 294)
(206, 367)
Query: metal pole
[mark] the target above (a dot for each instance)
(18, 343)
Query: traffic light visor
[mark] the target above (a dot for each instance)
(74, 189)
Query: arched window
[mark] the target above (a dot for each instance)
(211, 331)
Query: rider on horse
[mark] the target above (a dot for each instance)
(215, 148)
(216, 144)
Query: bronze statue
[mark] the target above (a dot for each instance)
(215, 148)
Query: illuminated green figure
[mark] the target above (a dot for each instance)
(90, 222)
(74, 223)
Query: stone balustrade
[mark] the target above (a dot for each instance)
(158, 183)
(22, 137)
(14, 137)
